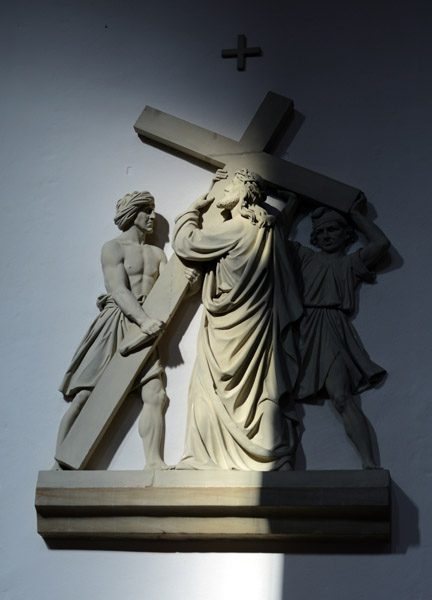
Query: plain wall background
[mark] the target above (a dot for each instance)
(74, 78)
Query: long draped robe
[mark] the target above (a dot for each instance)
(240, 414)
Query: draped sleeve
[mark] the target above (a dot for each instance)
(193, 243)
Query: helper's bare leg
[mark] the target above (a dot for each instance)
(338, 387)
(151, 424)
(69, 419)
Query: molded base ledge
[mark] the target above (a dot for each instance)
(175, 508)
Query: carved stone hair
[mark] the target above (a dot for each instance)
(251, 207)
(323, 215)
(129, 206)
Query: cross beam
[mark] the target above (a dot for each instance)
(250, 151)
(241, 52)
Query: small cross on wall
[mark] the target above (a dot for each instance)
(241, 52)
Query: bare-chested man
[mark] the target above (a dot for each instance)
(130, 268)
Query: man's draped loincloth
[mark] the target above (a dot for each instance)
(99, 345)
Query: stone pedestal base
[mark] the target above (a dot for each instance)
(170, 510)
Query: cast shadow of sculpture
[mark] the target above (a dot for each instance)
(405, 535)
(286, 137)
(405, 521)
(160, 235)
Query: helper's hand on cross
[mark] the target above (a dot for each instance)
(220, 174)
(286, 196)
(194, 276)
(360, 205)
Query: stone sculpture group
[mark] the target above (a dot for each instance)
(275, 328)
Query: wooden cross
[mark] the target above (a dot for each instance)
(241, 52)
(252, 151)
(218, 151)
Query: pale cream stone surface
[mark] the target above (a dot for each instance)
(240, 415)
(217, 478)
(214, 505)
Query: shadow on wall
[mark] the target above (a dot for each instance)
(405, 535)
(160, 235)
(405, 521)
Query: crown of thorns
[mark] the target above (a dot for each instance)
(246, 176)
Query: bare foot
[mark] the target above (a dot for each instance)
(190, 464)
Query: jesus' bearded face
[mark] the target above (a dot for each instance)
(234, 193)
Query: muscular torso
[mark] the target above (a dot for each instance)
(142, 266)
(130, 266)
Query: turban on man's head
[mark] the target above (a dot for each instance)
(129, 206)
(323, 215)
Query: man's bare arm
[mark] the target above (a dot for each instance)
(378, 243)
(287, 214)
(162, 260)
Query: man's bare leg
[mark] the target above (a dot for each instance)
(151, 424)
(69, 419)
(338, 387)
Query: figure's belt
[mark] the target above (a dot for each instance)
(107, 299)
(330, 307)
